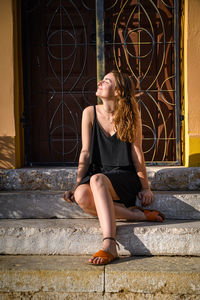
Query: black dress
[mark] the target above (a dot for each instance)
(112, 157)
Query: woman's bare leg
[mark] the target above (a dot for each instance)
(97, 199)
(84, 198)
(104, 204)
(103, 200)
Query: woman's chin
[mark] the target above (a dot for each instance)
(98, 94)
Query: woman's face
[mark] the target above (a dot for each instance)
(106, 88)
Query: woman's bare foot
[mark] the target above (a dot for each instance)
(148, 214)
(108, 246)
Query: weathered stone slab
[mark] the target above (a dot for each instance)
(38, 204)
(70, 277)
(153, 275)
(174, 178)
(38, 178)
(52, 296)
(160, 178)
(142, 296)
(81, 237)
(177, 204)
(50, 204)
(47, 274)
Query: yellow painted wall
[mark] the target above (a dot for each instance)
(7, 121)
(191, 81)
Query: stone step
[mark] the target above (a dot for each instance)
(50, 204)
(161, 178)
(83, 236)
(70, 277)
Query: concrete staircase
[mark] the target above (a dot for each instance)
(34, 219)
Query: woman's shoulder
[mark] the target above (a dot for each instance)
(88, 113)
(88, 109)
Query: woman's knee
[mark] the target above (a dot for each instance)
(98, 179)
(83, 197)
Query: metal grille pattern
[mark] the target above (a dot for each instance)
(145, 42)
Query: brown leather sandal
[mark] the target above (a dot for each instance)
(106, 257)
(151, 214)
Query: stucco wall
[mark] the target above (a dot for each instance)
(194, 66)
(192, 81)
(7, 122)
(7, 126)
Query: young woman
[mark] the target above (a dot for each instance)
(111, 171)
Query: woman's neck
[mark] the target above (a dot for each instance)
(109, 107)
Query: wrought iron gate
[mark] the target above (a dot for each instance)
(69, 45)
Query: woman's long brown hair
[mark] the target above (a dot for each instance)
(126, 113)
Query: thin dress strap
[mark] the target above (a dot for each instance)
(93, 141)
(95, 115)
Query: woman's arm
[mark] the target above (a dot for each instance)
(146, 196)
(84, 158)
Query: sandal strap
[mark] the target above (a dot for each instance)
(113, 239)
(109, 238)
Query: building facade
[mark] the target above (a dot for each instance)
(157, 42)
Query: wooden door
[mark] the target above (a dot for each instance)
(60, 77)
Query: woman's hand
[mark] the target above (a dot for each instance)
(69, 195)
(146, 197)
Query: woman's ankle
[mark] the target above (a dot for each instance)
(138, 215)
(110, 245)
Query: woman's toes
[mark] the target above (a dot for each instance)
(96, 260)
(99, 261)
(91, 260)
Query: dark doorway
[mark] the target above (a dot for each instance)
(59, 75)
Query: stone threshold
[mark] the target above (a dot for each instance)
(41, 277)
